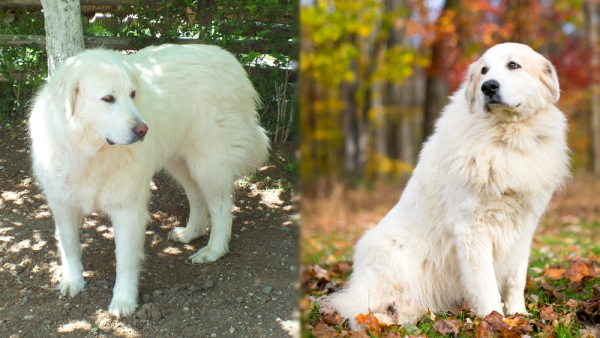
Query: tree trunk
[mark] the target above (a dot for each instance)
(349, 128)
(380, 121)
(408, 105)
(595, 132)
(64, 31)
(435, 93)
(435, 96)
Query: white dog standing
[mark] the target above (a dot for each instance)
(463, 227)
(193, 107)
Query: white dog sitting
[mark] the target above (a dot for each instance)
(463, 227)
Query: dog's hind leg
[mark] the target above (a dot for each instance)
(199, 223)
(216, 183)
(67, 220)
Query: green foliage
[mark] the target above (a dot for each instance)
(287, 166)
(17, 62)
(347, 50)
(257, 32)
(15, 65)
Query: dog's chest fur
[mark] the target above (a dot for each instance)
(101, 177)
(527, 158)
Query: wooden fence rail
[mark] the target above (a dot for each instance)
(122, 43)
(37, 3)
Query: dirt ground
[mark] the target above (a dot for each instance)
(250, 292)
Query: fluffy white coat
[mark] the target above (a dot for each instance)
(199, 107)
(463, 227)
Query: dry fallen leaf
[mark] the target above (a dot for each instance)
(491, 325)
(509, 334)
(445, 326)
(395, 334)
(548, 313)
(326, 310)
(341, 268)
(370, 321)
(511, 321)
(324, 331)
(572, 303)
(332, 319)
(430, 313)
(568, 318)
(359, 334)
(555, 273)
(590, 311)
(581, 269)
(468, 325)
(319, 272)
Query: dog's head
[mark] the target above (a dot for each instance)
(96, 90)
(512, 82)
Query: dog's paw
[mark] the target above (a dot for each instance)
(184, 235)
(71, 287)
(122, 306)
(206, 255)
(520, 311)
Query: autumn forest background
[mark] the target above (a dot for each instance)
(374, 76)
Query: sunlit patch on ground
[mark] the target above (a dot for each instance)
(107, 322)
(74, 325)
(172, 251)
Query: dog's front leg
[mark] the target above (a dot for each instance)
(475, 255)
(516, 279)
(129, 226)
(68, 218)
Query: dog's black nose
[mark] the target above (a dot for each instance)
(490, 87)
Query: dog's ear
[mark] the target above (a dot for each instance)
(70, 99)
(472, 87)
(67, 88)
(549, 78)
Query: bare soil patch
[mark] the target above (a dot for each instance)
(247, 293)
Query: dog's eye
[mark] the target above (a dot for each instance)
(513, 65)
(132, 94)
(109, 99)
(484, 70)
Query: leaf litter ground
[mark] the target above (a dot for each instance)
(563, 285)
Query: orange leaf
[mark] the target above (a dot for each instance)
(511, 321)
(555, 273)
(581, 269)
(370, 321)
